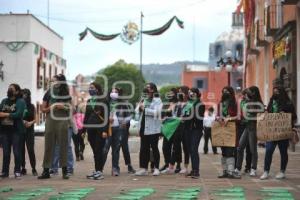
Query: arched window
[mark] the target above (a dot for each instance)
(239, 52)
(218, 51)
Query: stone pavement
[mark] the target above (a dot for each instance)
(112, 186)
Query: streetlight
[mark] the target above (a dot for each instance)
(230, 64)
(1, 71)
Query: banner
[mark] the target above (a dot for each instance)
(274, 126)
(223, 136)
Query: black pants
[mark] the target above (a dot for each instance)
(147, 142)
(97, 144)
(11, 139)
(185, 144)
(78, 142)
(240, 129)
(172, 149)
(194, 141)
(248, 157)
(125, 148)
(28, 140)
(207, 137)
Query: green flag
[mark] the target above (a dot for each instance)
(169, 127)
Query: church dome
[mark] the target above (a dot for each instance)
(236, 34)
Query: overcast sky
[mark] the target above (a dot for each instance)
(203, 21)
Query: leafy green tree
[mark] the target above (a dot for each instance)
(122, 71)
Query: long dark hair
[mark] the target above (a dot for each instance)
(28, 96)
(283, 98)
(98, 87)
(255, 94)
(154, 88)
(18, 89)
(63, 89)
(184, 92)
(175, 91)
(232, 100)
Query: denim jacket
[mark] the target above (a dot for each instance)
(152, 117)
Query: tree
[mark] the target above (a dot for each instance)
(163, 91)
(122, 71)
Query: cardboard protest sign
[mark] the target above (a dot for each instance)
(223, 136)
(274, 126)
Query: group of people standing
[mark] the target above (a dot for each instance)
(106, 121)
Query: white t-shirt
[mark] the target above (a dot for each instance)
(208, 120)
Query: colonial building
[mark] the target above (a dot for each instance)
(273, 47)
(225, 66)
(30, 53)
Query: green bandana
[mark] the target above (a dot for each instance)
(93, 102)
(225, 108)
(275, 108)
(188, 107)
(113, 105)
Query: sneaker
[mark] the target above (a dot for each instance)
(264, 176)
(178, 169)
(45, 174)
(23, 171)
(253, 173)
(115, 172)
(156, 172)
(168, 171)
(224, 175)
(53, 172)
(17, 175)
(98, 175)
(164, 167)
(4, 175)
(131, 170)
(141, 172)
(91, 176)
(280, 175)
(234, 176)
(246, 171)
(183, 171)
(195, 175)
(34, 172)
(237, 173)
(189, 174)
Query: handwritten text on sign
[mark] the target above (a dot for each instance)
(223, 136)
(274, 126)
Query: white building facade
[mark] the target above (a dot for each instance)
(31, 54)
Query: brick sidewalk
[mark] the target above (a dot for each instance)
(112, 186)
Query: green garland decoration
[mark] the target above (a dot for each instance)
(153, 32)
(15, 46)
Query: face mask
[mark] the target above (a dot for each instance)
(276, 96)
(92, 92)
(10, 93)
(226, 95)
(180, 97)
(114, 96)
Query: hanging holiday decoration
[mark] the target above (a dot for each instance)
(130, 32)
(15, 46)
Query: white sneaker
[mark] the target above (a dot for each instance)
(252, 172)
(156, 172)
(264, 176)
(98, 176)
(183, 171)
(280, 175)
(168, 171)
(237, 172)
(91, 176)
(141, 172)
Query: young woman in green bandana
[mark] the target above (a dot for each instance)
(96, 121)
(12, 128)
(227, 113)
(150, 129)
(56, 105)
(193, 114)
(120, 115)
(279, 102)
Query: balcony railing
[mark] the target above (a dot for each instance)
(273, 19)
(260, 39)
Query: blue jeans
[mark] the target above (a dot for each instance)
(70, 161)
(270, 148)
(10, 138)
(194, 141)
(115, 143)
